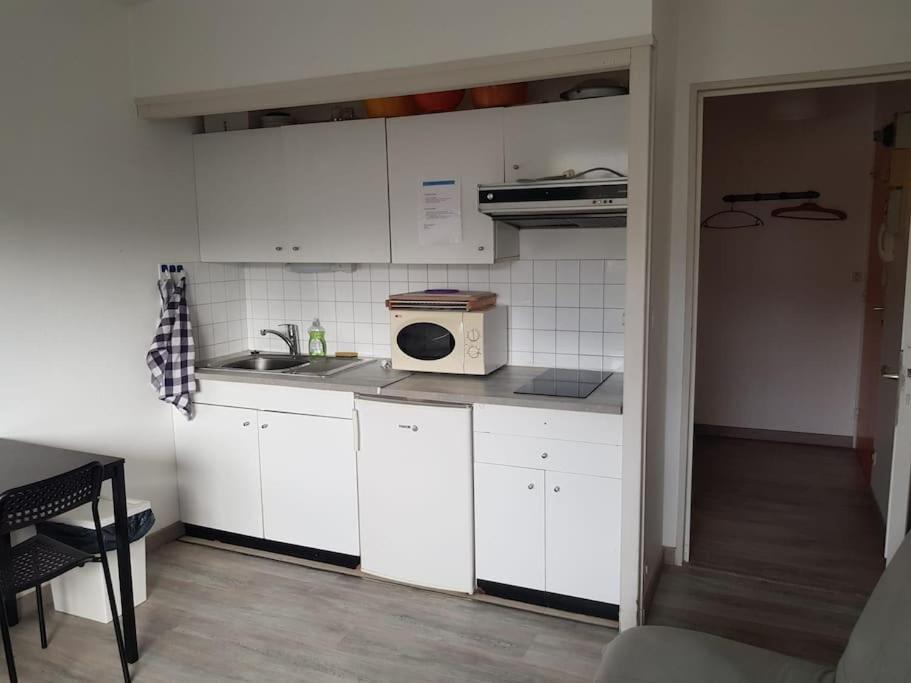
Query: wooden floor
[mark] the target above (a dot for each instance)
(214, 615)
(786, 546)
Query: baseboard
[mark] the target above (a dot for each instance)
(810, 439)
(159, 537)
(655, 564)
(670, 554)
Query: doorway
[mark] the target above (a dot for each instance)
(792, 328)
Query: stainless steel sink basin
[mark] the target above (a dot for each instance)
(282, 363)
(265, 363)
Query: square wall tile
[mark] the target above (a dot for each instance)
(567, 342)
(614, 296)
(567, 319)
(613, 345)
(521, 317)
(613, 320)
(615, 272)
(568, 272)
(591, 296)
(567, 295)
(545, 318)
(545, 294)
(545, 271)
(522, 272)
(521, 340)
(523, 294)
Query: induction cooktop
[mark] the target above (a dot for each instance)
(567, 383)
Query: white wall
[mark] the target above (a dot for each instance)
(780, 315)
(734, 39)
(90, 199)
(198, 45)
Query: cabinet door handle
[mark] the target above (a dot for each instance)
(246, 423)
(265, 425)
(556, 489)
(531, 486)
(544, 456)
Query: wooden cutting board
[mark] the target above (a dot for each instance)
(459, 301)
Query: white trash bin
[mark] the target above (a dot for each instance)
(81, 591)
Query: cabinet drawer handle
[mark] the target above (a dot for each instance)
(246, 423)
(556, 489)
(295, 248)
(531, 486)
(265, 425)
(278, 248)
(544, 456)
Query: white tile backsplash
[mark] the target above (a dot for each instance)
(562, 313)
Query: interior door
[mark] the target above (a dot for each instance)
(892, 467)
(309, 481)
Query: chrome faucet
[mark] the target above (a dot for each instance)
(290, 338)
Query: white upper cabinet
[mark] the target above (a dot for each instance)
(314, 193)
(337, 200)
(547, 139)
(466, 146)
(240, 196)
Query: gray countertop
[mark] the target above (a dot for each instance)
(497, 387)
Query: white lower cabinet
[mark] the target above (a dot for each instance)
(271, 474)
(509, 525)
(309, 481)
(547, 506)
(218, 470)
(583, 536)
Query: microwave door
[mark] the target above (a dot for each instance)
(425, 341)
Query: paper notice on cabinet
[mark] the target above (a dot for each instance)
(441, 212)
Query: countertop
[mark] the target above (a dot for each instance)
(497, 387)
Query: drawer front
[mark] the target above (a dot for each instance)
(549, 424)
(301, 400)
(574, 457)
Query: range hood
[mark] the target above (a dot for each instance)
(577, 203)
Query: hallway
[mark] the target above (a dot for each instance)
(786, 545)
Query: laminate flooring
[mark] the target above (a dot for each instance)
(786, 546)
(215, 615)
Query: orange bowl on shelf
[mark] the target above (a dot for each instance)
(390, 107)
(505, 95)
(434, 102)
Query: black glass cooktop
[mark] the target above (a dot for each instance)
(568, 383)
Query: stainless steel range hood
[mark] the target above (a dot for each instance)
(578, 203)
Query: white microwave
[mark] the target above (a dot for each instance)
(459, 342)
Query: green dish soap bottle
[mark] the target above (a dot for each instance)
(317, 344)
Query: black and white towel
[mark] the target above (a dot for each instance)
(171, 356)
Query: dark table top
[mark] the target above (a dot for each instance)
(24, 463)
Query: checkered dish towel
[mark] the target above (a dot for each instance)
(171, 356)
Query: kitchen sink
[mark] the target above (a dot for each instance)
(265, 363)
(274, 363)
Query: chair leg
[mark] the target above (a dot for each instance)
(7, 642)
(42, 628)
(111, 599)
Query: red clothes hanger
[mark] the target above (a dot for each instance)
(801, 211)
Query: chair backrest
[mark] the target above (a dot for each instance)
(879, 650)
(36, 502)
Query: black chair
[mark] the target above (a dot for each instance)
(40, 558)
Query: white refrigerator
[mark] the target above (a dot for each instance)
(414, 467)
